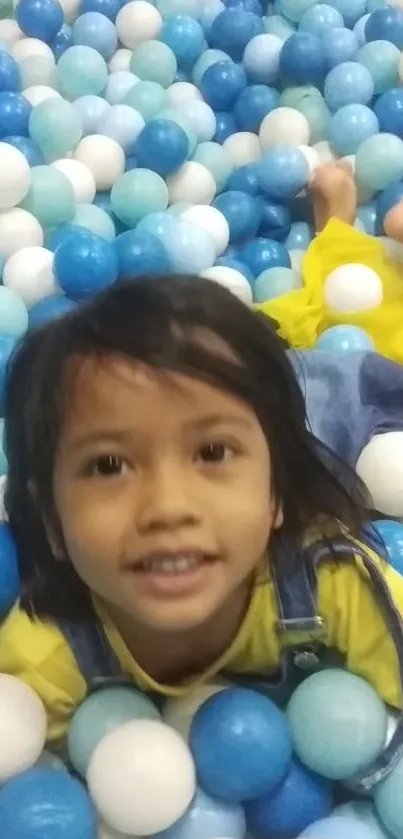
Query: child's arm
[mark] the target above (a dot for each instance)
(334, 194)
(356, 625)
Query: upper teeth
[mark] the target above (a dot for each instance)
(172, 565)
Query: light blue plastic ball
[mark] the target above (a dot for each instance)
(140, 253)
(336, 826)
(185, 37)
(9, 576)
(138, 193)
(118, 85)
(350, 126)
(211, 9)
(294, 10)
(94, 219)
(54, 306)
(363, 812)
(283, 171)
(148, 98)
(154, 61)
(273, 282)
(382, 60)
(46, 804)
(367, 215)
(213, 157)
(161, 225)
(341, 45)
(205, 61)
(278, 25)
(192, 250)
(95, 30)
(201, 119)
(348, 84)
(319, 19)
(81, 71)
(90, 109)
(359, 29)
(122, 123)
(392, 535)
(13, 313)
(207, 818)
(386, 24)
(63, 41)
(299, 237)
(350, 10)
(344, 338)
(56, 127)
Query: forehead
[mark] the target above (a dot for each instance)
(118, 391)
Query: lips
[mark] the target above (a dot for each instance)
(178, 562)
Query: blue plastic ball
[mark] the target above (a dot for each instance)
(49, 308)
(340, 45)
(359, 29)
(39, 18)
(225, 126)
(162, 146)
(10, 76)
(261, 254)
(140, 253)
(184, 35)
(207, 818)
(302, 798)
(367, 217)
(245, 179)
(303, 59)
(350, 10)
(85, 264)
(336, 826)
(319, 19)
(15, 111)
(242, 212)
(91, 109)
(237, 265)
(63, 41)
(348, 84)
(9, 576)
(254, 6)
(385, 24)
(389, 110)
(222, 83)
(283, 172)
(46, 804)
(232, 30)
(392, 535)
(350, 126)
(253, 104)
(93, 29)
(241, 745)
(275, 220)
(387, 199)
(344, 338)
(27, 147)
(109, 8)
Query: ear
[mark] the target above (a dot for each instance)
(277, 514)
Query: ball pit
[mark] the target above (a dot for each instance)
(184, 135)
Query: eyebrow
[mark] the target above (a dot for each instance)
(122, 435)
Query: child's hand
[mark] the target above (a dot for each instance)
(333, 193)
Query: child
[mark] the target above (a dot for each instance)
(162, 488)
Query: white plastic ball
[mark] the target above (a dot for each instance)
(192, 182)
(232, 280)
(80, 177)
(104, 157)
(121, 60)
(352, 288)
(41, 69)
(393, 250)
(29, 272)
(141, 777)
(297, 257)
(179, 713)
(70, 9)
(15, 176)
(180, 92)
(38, 93)
(106, 832)
(18, 229)
(380, 466)
(324, 151)
(23, 726)
(10, 32)
(284, 125)
(137, 21)
(201, 119)
(312, 158)
(28, 47)
(242, 148)
(212, 220)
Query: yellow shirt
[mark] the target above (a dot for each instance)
(37, 652)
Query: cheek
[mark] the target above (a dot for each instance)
(91, 531)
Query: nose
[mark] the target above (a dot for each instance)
(166, 500)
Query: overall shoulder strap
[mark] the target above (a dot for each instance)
(94, 655)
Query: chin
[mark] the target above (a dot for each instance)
(177, 619)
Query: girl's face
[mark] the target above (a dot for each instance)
(163, 491)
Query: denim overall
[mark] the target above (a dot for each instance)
(301, 633)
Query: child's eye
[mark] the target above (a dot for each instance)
(215, 453)
(106, 466)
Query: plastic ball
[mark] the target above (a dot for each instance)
(380, 467)
(151, 758)
(140, 253)
(231, 279)
(345, 338)
(207, 818)
(382, 60)
(388, 109)
(80, 177)
(81, 71)
(273, 282)
(333, 745)
(121, 60)
(318, 19)
(109, 8)
(96, 220)
(241, 745)
(10, 76)
(392, 534)
(278, 25)
(243, 148)
(185, 37)
(28, 47)
(48, 308)
(56, 128)
(136, 22)
(13, 313)
(191, 182)
(104, 157)
(192, 250)
(155, 62)
(162, 146)
(379, 161)
(225, 126)
(29, 273)
(233, 29)
(350, 126)
(303, 59)
(261, 58)
(386, 24)
(213, 221)
(137, 193)
(253, 104)
(222, 83)
(102, 712)
(118, 85)
(122, 124)
(201, 118)
(50, 197)
(181, 92)
(363, 813)
(352, 288)
(44, 803)
(93, 29)
(284, 125)
(39, 18)
(241, 212)
(63, 41)
(23, 728)
(90, 109)
(205, 61)
(85, 264)
(214, 159)
(9, 576)
(179, 713)
(336, 826)
(148, 98)
(18, 229)
(245, 179)
(283, 171)
(293, 10)
(15, 111)
(299, 237)
(302, 798)
(348, 83)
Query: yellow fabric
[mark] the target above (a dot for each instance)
(37, 653)
(301, 313)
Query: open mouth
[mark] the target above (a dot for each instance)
(179, 573)
(179, 564)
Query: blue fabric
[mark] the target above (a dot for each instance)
(350, 397)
